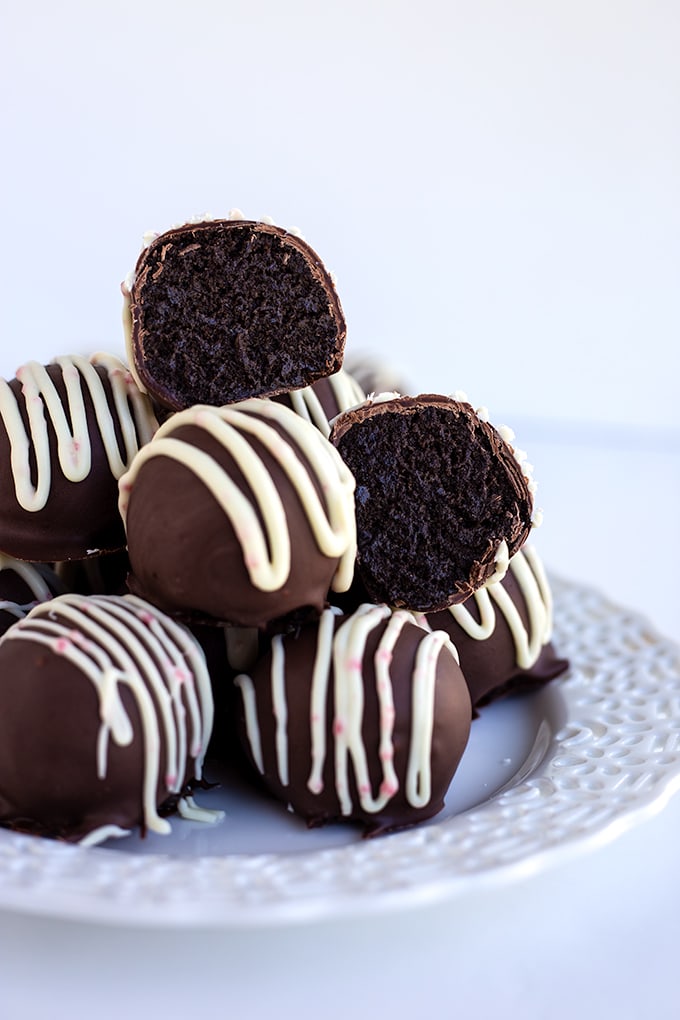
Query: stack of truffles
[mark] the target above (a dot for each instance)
(225, 548)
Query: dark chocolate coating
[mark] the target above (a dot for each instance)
(186, 557)
(105, 574)
(327, 394)
(229, 309)
(437, 492)
(49, 727)
(452, 718)
(490, 665)
(80, 518)
(16, 590)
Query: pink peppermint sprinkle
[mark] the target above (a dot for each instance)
(170, 781)
(146, 618)
(354, 664)
(384, 655)
(388, 789)
(338, 727)
(62, 645)
(364, 788)
(387, 754)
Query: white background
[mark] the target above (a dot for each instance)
(494, 183)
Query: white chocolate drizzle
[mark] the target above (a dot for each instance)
(346, 392)
(530, 575)
(34, 581)
(266, 547)
(122, 642)
(132, 410)
(338, 671)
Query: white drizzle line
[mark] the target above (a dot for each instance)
(122, 641)
(247, 688)
(346, 391)
(266, 553)
(419, 773)
(318, 698)
(508, 436)
(149, 236)
(280, 707)
(530, 575)
(340, 653)
(74, 447)
(34, 581)
(501, 563)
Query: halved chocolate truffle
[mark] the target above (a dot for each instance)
(68, 431)
(362, 718)
(239, 514)
(228, 309)
(442, 501)
(503, 632)
(105, 716)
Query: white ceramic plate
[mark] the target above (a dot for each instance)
(545, 776)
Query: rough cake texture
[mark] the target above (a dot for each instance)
(229, 309)
(361, 719)
(22, 586)
(440, 499)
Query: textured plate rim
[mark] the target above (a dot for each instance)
(613, 763)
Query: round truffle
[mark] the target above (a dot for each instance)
(223, 310)
(442, 501)
(503, 632)
(362, 719)
(68, 431)
(105, 714)
(241, 514)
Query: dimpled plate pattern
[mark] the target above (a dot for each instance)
(606, 760)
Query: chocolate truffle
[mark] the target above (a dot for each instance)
(442, 501)
(324, 399)
(105, 714)
(68, 430)
(241, 514)
(503, 632)
(362, 719)
(228, 309)
(22, 586)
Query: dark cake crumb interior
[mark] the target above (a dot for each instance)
(232, 312)
(420, 485)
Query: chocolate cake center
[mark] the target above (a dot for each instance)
(236, 310)
(430, 499)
